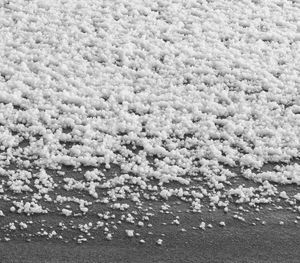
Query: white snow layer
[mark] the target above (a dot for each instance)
(195, 92)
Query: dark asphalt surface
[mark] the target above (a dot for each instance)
(236, 242)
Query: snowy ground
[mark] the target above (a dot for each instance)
(120, 119)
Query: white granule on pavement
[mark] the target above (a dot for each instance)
(222, 223)
(129, 233)
(119, 103)
(159, 242)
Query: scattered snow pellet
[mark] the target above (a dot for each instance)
(159, 242)
(108, 236)
(283, 195)
(176, 222)
(130, 233)
(23, 225)
(202, 225)
(222, 223)
(297, 196)
(140, 224)
(66, 212)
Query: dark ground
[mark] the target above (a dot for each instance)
(237, 242)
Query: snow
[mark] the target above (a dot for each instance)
(12, 226)
(121, 103)
(202, 225)
(222, 223)
(129, 233)
(23, 225)
(159, 242)
(283, 195)
(297, 196)
(66, 212)
(109, 236)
